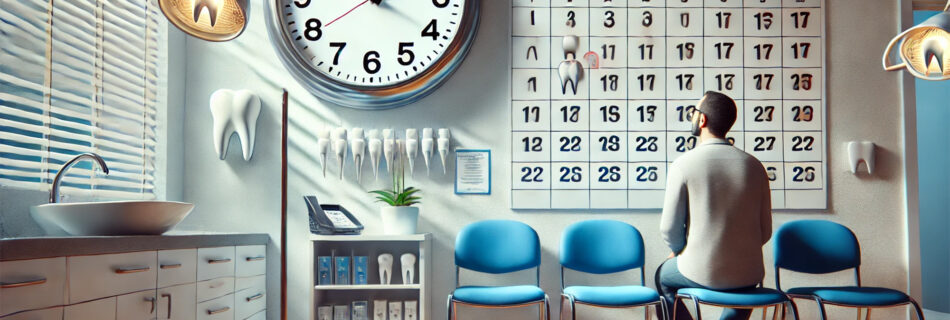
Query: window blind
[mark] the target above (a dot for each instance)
(80, 76)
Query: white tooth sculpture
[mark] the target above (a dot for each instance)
(375, 150)
(428, 144)
(861, 151)
(323, 147)
(412, 148)
(234, 111)
(570, 71)
(389, 149)
(408, 268)
(385, 268)
(339, 147)
(358, 147)
(444, 138)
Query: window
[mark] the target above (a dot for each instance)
(80, 76)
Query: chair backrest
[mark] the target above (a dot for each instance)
(497, 246)
(816, 246)
(601, 246)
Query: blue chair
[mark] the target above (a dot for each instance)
(819, 247)
(496, 247)
(740, 299)
(602, 247)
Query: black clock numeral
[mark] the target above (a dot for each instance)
(431, 30)
(371, 58)
(404, 50)
(339, 49)
(301, 4)
(313, 32)
(440, 4)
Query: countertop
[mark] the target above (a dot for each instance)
(46, 247)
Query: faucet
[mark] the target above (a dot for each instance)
(54, 190)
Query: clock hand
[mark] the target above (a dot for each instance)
(351, 10)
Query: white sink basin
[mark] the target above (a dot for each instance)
(111, 217)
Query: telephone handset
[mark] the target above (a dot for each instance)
(331, 218)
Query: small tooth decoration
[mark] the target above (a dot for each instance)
(375, 150)
(323, 146)
(358, 147)
(427, 146)
(389, 151)
(339, 147)
(412, 148)
(408, 268)
(444, 139)
(234, 111)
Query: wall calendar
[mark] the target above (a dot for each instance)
(602, 92)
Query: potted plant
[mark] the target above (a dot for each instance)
(399, 216)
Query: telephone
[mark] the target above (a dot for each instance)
(331, 218)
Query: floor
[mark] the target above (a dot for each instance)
(934, 315)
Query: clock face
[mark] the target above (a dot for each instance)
(371, 43)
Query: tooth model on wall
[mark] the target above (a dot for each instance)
(358, 147)
(375, 150)
(443, 141)
(339, 147)
(234, 111)
(323, 147)
(412, 148)
(428, 145)
(389, 149)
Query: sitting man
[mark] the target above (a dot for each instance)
(716, 214)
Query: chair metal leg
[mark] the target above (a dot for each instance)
(867, 316)
(448, 308)
(775, 312)
(783, 310)
(547, 307)
(821, 309)
(699, 314)
(646, 313)
(920, 313)
(666, 311)
(794, 307)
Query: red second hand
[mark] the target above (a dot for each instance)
(348, 12)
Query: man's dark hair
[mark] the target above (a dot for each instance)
(720, 113)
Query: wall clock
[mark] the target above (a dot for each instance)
(372, 54)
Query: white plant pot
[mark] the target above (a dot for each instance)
(399, 220)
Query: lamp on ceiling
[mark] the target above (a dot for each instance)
(924, 48)
(211, 20)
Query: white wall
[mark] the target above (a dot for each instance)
(864, 102)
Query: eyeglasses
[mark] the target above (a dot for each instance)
(692, 115)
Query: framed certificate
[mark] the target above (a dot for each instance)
(473, 171)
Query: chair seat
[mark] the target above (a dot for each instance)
(854, 296)
(498, 296)
(739, 298)
(613, 296)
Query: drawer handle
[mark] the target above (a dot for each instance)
(132, 270)
(152, 301)
(257, 258)
(169, 296)
(224, 309)
(171, 266)
(216, 261)
(254, 297)
(5, 285)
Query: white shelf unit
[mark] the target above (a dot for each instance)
(372, 245)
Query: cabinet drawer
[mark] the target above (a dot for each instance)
(137, 306)
(177, 267)
(259, 316)
(249, 301)
(217, 309)
(55, 313)
(251, 260)
(102, 309)
(32, 284)
(215, 263)
(98, 276)
(244, 283)
(214, 288)
(177, 303)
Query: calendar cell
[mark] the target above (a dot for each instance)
(571, 3)
(803, 146)
(802, 115)
(573, 21)
(764, 83)
(763, 52)
(610, 22)
(608, 146)
(558, 55)
(610, 51)
(723, 4)
(570, 175)
(531, 199)
(802, 83)
(608, 83)
(723, 22)
(531, 52)
(763, 115)
(570, 146)
(570, 199)
(609, 176)
(532, 146)
(801, 3)
(679, 114)
(806, 199)
(765, 146)
(723, 52)
(646, 52)
(646, 22)
(570, 115)
(763, 3)
(727, 80)
(803, 175)
(564, 90)
(530, 84)
(608, 115)
(678, 143)
(531, 22)
(647, 175)
(647, 83)
(531, 115)
(684, 3)
(646, 146)
(764, 22)
(803, 22)
(647, 3)
(684, 22)
(645, 199)
(529, 3)
(776, 173)
(736, 139)
(609, 3)
(608, 199)
(684, 83)
(531, 176)
(801, 52)
(647, 115)
(684, 52)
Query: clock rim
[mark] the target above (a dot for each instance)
(400, 94)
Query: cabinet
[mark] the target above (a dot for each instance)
(372, 246)
(177, 302)
(54, 313)
(92, 310)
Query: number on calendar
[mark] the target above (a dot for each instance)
(532, 174)
(647, 173)
(609, 174)
(572, 174)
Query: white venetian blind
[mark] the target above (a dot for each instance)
(80, 76)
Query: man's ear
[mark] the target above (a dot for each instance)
(702, 120)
